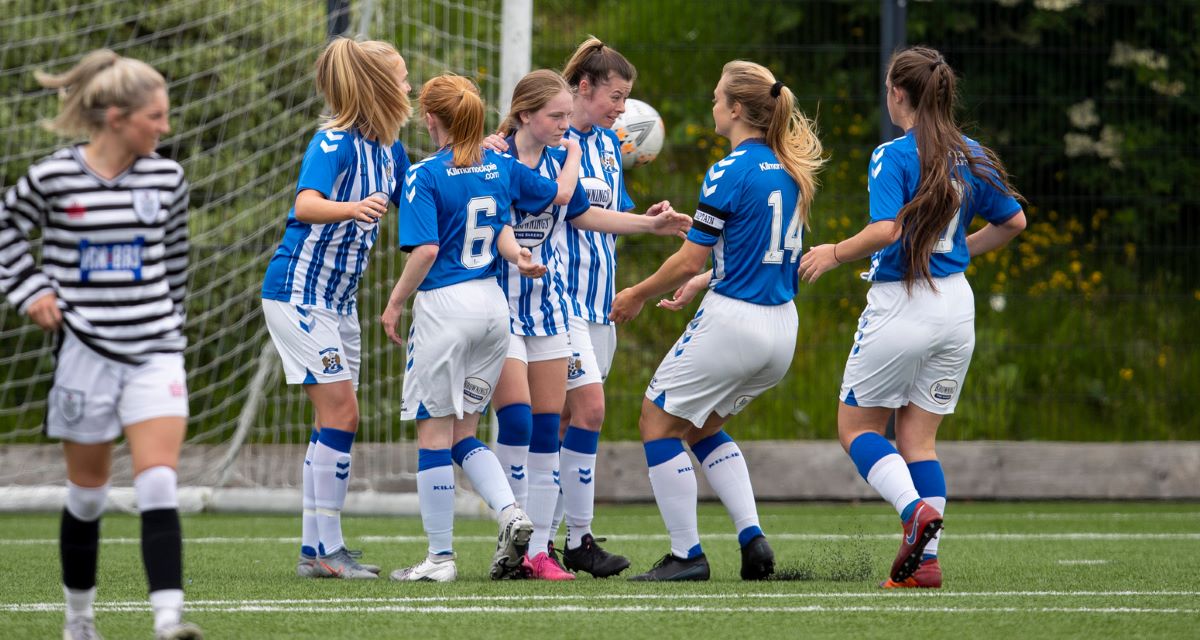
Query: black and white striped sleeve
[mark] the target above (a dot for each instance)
(24, 207)
(177, 245)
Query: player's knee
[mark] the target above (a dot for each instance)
(913, 450)
(589, 416)
(156, 489)
(86, 503)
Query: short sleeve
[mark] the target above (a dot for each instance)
(994, 205)
(718, 197)
(885, 181)
(329, 153)
(418, 210)
(579, 203)
(401, 164)
(530, 191)
(624, 202)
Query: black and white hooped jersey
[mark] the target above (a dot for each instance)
(115, 252)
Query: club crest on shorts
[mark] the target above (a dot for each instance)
(574, 367)
(943, 391)
(741, 402)
(332, 360)
(146, 205)
(70, 404)
(477, 390)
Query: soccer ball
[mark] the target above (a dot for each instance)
(640, 130)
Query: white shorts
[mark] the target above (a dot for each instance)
(730, 353)
(539, 348)
(317, 345)
(592, 348)
(93, 397)
(456, 348)
(912, 349)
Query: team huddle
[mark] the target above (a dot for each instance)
(510, 275)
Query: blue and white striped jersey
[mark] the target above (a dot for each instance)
(463, 210)
(590, 257)
(893, 176)
(321, 264)
(747, 213)
(536, 306)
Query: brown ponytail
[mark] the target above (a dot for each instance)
(595, 61)
(931, 87)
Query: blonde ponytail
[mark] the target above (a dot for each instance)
(770, 107)
(100, 80)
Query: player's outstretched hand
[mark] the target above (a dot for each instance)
(496, 143)
(817, 261)
(625, 306)
(685, 294)
(45, 313)
(670, 222)
(369, 209)
(527, 266)
(659, 207)
(391, 322)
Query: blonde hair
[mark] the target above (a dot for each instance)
(789, 133)
(533, 92)
(595, 61)
(358, 80)
(455, 101)
(100, 80)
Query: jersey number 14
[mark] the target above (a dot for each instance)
(792, 240)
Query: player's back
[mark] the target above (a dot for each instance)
(463, 210)
(893, 179)
(749, 200)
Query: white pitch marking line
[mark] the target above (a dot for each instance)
(324, 607)
(637, 537)
(1083, 562)
(140, 605)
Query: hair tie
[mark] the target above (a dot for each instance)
(934, 65)
(775, 89)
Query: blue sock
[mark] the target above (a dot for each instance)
(930, 482)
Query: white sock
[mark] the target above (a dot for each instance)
(674, 484)
(483, 469)
(938, 503)
(435, 491)
(331, 478)
(889, 476)
(79, 602)
(513, 460)
(578, 475)
(543, 499)
(168, 607)
(556, 522)
(725, 469)
(309, 537)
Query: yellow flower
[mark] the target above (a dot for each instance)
(1076, 267)
(1127, 374)
(1097, 277)
(1162, 359)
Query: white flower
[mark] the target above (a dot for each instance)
(1125, 55)
(1083, 114)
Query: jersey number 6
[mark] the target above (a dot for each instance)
(477, 243)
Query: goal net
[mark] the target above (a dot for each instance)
(240, 78)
